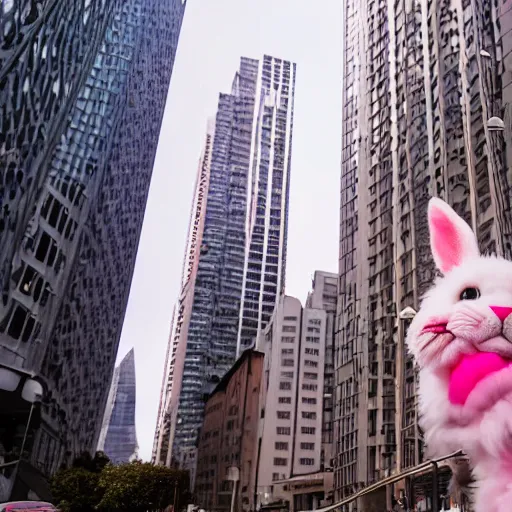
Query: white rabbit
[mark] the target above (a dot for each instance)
(461, 339)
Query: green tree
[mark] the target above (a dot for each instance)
(141, 486)
(76, 489)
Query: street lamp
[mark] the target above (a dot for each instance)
(495, 124)
(406, 315)
(29, 390)
(233, 476)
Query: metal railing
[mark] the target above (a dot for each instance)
(420, 468)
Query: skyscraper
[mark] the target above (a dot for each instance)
(118, 438)
(241, 260)
(426, 101)
(80, 85)
(175, 358)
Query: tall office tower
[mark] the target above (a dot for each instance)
(118, 437)
(295, 434)
(426, 102)
(80, 83)
(242, 250)
(268, 190)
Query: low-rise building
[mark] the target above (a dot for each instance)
(228, 437)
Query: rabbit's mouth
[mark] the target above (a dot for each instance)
(479, 380)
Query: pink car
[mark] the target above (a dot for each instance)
(33, 506)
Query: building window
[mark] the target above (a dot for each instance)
(308, 430)
(307, 462)
(290, 318)
(288, 339)
(309, 387)
(287, 375)
(309, 415)
(311, 364)
(314, 329)
(309, 401)
(312, 352)
(275, 477)
(285, 399)
(307, 446)
(315, 321)
(283, 431)
(312, 339)
(287, 352)
(311, 376)
(287, 362)
(281, 446)
(285, 386)
(283, 415)
(289, 328)
(278, 461)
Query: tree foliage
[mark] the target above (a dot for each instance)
(76, 489)
(141, 486)
(93, 484)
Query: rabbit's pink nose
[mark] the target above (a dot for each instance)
(501, 312)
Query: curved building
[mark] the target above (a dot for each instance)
(79, 83)
(118, 438)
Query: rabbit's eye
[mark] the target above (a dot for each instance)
(470, 294)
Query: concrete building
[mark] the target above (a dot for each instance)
(80, 82)
(118, 437)
(242, 253)
(228, 437)
(295, 436)
(426, 112)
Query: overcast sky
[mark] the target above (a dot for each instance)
(214, 35)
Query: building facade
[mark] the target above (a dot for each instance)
(229, 435)
(175, 358)
(401, 146)
(118, 437)
(295, 436)
(80, 83)
(242, 253)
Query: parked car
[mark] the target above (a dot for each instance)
(22, 506)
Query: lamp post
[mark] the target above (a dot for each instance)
(233, 476)
(407, 314)
(31, 391)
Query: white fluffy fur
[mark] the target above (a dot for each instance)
(485, 434)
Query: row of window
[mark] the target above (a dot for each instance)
(281, 461)
(286, 431)
(287, 386)
(307, 415)
(283, 446)
(305, 400)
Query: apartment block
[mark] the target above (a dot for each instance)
(295, 437)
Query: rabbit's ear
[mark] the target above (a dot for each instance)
(451, 239)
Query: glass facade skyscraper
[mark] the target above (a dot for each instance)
(82, 92)
(118, 438)
(426, 112)
(241, 261)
